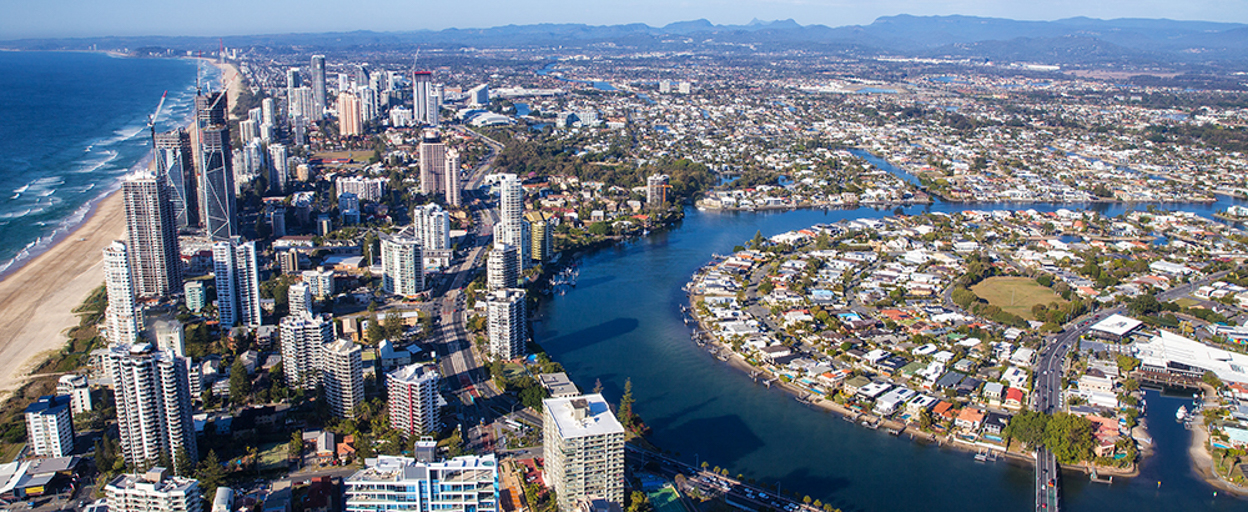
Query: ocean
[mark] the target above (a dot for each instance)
(72, 123)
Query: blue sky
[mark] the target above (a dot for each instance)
(81, 18)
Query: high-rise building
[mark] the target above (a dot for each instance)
(175, 162)
(502, 269)
(293, 79)
(216, 186)
(267, 114)
(300, 105)
(237, 275)
(50, 426)
(78, 388)
(301, 338)
(318, 88)
(656, 190)
(275, 217)
(211, 109)
(369, 109)
(288, 261)
(512, 228)
(432, 163)
(349, 208)
(422, 88)
(196, 296)
(432, 227)
(541, 234)
(170, 337)
(152, 235)
(342, 377)
(400, 117)
(153, 491)
(583, 444)
(299, 298)
(402, 264)
(451, 184)
(248, 129)
(401, 484)
(153, 396)
(320, 281)
(413, 399)
(123, 316)
(479, 96)
(505, 323)
(367, 189)
(279, 171)
(350, 120)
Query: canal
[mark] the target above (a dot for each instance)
(623, 321)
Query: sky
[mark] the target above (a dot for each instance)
(92, 18)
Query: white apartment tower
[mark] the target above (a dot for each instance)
(78, 388)
(320, 282)
(342, 377)
(299, 298)
(402, 264)
(512, 229)
(505, 323)
(50, 426)
(452, 185)
(413, 399)
(401, 484)
(153, 396)
(153, 491)
(301, 338)
(123, 316)
(350, 119)
(237, 276)
(432, 227)
(502, 269)
(422, 89)
(584, 450)
(152, 235)
(656, 190)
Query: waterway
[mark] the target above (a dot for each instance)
(623, 321)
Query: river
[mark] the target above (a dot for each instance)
(623, 321)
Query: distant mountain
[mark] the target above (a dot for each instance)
(1072, 40)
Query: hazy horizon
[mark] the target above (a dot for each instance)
(81, 18)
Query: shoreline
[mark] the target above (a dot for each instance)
(38, 294)
(1202, 461)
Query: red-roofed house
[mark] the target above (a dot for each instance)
(1014, 398)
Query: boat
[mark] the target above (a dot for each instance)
(1181, 414)
(981, 457)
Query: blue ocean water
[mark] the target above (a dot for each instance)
(72, 123)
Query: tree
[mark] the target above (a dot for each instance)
(626, 404)
(210, 474)
(532, 397)
(1069, 437)
(375, 333)
(597, 386)
(1145, 304)
(294, 449)
(240, 384)
(182, 464)
(1028, 427)
(1212, 379)
(638, 502)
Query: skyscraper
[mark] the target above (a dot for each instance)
(50, 426)
(432, 227)
(541, 234)
(152, 235)
(123, 316)
(216, 187)
(236, 274)
(413, 399)
(505, 323)
(301, 338)
(432, 163)
(279, 170)
(342, 377)
(501, 267)
(402, 263)
(175, 162)
(153, 395)
(583, 444)
(318, 88)
(350, 120)
(451, 173)
(422, 82)
(512, 228)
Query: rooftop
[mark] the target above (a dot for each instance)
(582, 416)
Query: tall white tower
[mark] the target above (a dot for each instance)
(237, 276)
(123, 316)
(152, 235)
(413, 399)
(505, 323)
(301, 338)
(153, 396)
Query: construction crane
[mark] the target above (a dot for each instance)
(151, 120)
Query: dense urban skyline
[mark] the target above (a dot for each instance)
(147, 17)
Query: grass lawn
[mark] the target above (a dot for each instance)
(1015, 294)
(1186, 303)
(665, 500)
(358, 154)
(273, 457)
(513, 371)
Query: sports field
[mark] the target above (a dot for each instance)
(1015, 294)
